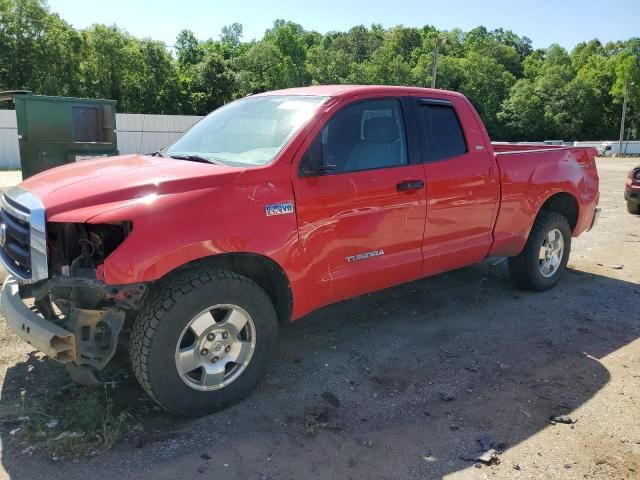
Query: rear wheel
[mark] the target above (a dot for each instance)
(545, 255)
(203, 340)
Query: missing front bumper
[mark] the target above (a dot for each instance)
(49, 338)
(89, 339)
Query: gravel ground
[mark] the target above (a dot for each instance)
(402, 383)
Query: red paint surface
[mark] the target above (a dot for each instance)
(477, 204)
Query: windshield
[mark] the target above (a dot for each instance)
(250, 131)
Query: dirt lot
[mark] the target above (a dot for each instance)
(417, 374)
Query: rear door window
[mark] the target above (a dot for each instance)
(442, 132)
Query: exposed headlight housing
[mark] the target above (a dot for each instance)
(76, 249)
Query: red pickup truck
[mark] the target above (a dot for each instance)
(270, 207)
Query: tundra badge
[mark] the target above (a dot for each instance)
(364, 256)
(282, 208)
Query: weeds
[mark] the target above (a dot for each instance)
(88, 422)
(110, 424)
(78, 421)
(85, 413)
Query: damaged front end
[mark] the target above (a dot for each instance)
(63, 307)
(76, 299)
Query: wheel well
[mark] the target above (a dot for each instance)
(262, 270)
(565, 205)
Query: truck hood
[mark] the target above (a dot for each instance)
(78, 191)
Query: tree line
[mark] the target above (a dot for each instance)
(520, 92)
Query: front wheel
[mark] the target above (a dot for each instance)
(633, 208)
(544, 258)
(203, 340)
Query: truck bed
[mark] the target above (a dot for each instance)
(530, 175)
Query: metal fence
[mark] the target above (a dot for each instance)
(141, 133)
(9, 154)
(136, 133)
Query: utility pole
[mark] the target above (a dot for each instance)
(624, 114)
(439, 41)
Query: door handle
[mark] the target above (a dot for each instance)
(409, 185)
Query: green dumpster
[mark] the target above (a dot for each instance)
(54, 131)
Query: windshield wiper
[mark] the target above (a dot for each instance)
(194, 158)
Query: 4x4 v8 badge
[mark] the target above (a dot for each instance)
(282, 208)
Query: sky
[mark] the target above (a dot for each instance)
(566, 22)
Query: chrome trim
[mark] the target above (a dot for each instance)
(24, 216)
(8, 265)
(37, 232)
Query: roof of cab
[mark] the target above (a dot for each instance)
(347, 90)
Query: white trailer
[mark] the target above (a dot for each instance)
(597, 144)
(610, 149)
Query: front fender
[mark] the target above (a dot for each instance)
(172, 230)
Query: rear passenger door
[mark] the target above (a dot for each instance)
(361, 221)
(463, 189)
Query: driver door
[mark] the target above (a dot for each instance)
(361, 220)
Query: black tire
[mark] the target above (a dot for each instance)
(170, 306)
(633, 208)
(525, 268)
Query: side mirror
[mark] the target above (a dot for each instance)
(312, 163)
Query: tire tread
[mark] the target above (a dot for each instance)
(522, 268)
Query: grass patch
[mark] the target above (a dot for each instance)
(92, 414)
(79, 422)
(72, 421)
(86, 413)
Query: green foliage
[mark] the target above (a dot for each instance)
(572, 96)
(485, 82)
(521, 93)
(85, 413)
